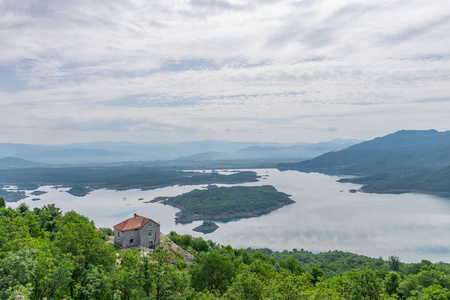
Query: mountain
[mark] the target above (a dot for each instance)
(407, 160)
(80, 156)
(112, 152)
(258, 152)
(18, 163)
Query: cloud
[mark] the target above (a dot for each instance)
(416, 31)
(270, 66)
(431, 100)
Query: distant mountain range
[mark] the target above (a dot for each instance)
(407, 160)
(113, 152)
(303, 151)
(18, 163)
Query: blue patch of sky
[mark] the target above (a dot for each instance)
(428, 250)
(167, 66)
(433, 57)
(187, 64)
(10, 78)
(164, 100)
(428, 100)
(315, 58)
(206, 64)
(427, 57)
(412, 32)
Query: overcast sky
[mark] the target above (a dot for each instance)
(280, 71)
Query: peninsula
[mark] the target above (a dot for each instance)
(226, 202)
(82, 180)
(405, 161)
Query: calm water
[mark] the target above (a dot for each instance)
(325, 217)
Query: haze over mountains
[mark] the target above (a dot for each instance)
(407, 160)
(111, 152)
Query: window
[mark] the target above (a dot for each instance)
(150, 233)
(131, 241)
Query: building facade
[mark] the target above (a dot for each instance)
(138, 231)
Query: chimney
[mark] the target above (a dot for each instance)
(135, 215)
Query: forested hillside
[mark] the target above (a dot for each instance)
(45, 253)
(408, 160)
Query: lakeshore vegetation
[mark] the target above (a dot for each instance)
(82, 180)
(45, 253)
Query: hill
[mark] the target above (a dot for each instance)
(407, 160)
(18, 163)
(48, 254)
(117, 152)
(280, 152)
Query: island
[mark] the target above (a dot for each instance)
(226, 203)
(206, 227)
(38, 193)
(79, 191)
(12, 196)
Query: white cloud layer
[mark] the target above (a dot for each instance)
(286, 71)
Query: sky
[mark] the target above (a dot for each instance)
(266, 71)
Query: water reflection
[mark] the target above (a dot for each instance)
(325, 217)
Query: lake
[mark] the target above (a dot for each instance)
(326, 216)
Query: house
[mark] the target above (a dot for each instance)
(137, 231)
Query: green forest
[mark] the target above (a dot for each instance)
(227, 202)
(45, 254)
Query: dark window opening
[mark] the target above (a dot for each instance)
(131, 241)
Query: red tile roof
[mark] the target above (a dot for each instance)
(132, 223)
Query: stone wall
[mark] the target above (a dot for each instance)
(152, 241)
(128, 238)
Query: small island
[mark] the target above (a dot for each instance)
(79, 191)
(38, 193)
(226, 203)
(206, 227)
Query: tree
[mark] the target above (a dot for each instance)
(16, 270)
(77, 236)
(129, 275)
(285, 285)
(213, 271)
(434, 292)
(2, 203)
(359, 285)
(94, 283)
(294, 266)
(168, 282)
(394, 263)
(391, 282)
(429, 276)
(246, 285)
(48, 216)
(317, 274)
